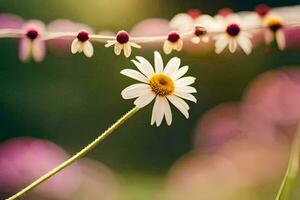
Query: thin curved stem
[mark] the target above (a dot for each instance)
(76, 157)
(288, 182)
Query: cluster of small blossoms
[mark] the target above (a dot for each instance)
(226, 29)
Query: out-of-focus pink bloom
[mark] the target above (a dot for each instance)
(10, 21)
(96, 181)
(31, 45)
(151, 27)
(218, 125)
(224, 13)
(23, 160)
(274, 98)
(252, 159)
(61, 46)
(201, 175)
(229, 173)
(292, 35)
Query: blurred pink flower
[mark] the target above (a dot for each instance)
(10, 21)
(268, 111)
(31, 44)
(96, 181)
(218, 125)
(151, 27)
(23, 160)
(274, 98)
(198, 175)
(229, 173)
(292, 35)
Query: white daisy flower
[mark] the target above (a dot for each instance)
(82, 44)
(274, 24)
(162, 84)
(173, 42)
(233, 36)
(122, 42)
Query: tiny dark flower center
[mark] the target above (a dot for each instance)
(122, 37)
(194, 13)
(32, 34)
(233, 30)
(83, 36)
(275, 27)
(173, 37)
(224, 12)
(262, 10)
(200, 31)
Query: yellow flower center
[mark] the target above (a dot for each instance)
(162, 85)
(274, 23)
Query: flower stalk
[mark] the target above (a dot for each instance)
(77, 156)
(287, 185)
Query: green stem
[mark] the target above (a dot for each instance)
(76, 157)
(287, 185)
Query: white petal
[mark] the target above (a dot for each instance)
(75, 46)
(145, 66)
(135, 75)
(154, 111)
(88, 49)
(179, 45)
(180, 72)
(168, 47)
(245, 44)
(118, 48)
(232, 45)
(144, 99)
(38, 50)
(186, 96)
(110, 43)
(195, 40)
(158, 62)
(188, 80)
(25, 49)
(186, 89)
(269, 36)
(135, 90)
(221, 43)
(180, 104)
(172, 66)
(205, 39)
(280, 38)
(160, 110)
(135, 45)
(127, 50)
(168, 112)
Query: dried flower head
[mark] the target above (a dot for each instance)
(274, 24)
(31, 45)
(122, 42)
(173, 42)
(82, 44)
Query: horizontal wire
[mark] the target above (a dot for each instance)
(19, 33)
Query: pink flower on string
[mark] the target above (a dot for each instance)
(31, 45)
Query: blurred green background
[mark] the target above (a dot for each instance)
(71, 99)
